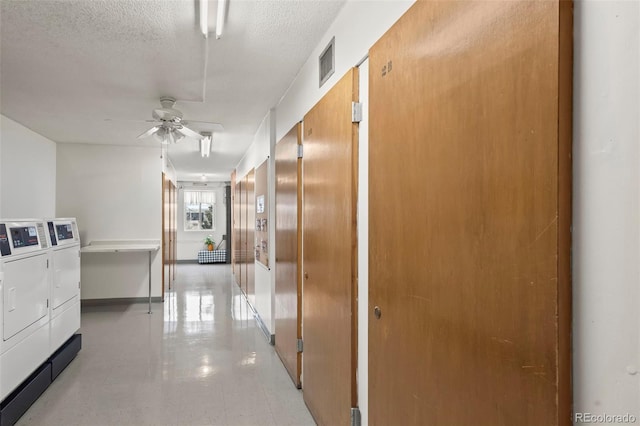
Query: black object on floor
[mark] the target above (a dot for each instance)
(63, 356)
(19, 401)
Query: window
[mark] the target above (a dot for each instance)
(199, 211)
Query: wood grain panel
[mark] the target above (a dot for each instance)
(166, 233)
(174, 234)
(238, 232)
(169, 228)
(565, 182)
(468, 217)
(250, 259)
(330, 139)
(288, 300)
(234, 219)
(243, 236)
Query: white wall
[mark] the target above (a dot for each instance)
(260, 150)
(363, 247)
(168, 169)
(357, 27)
(115, 192)
(189, 242)
(27, 172)
(606, 239)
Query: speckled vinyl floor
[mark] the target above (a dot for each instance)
(199, 359)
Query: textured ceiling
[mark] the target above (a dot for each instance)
(91, 71)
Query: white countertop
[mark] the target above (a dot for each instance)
(114, 246)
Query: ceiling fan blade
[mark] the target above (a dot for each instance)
(211, 126)
(131, 120)
(149, 132)
(188, 132)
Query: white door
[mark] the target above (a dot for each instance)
(66, 279)
(25, 292)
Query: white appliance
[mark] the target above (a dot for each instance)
(64, 240)
(24, 301)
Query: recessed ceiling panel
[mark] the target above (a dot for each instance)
(80, 71)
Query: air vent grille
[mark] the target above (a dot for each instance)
(42, 235)
(327, 61)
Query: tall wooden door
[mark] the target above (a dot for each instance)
(173, 225)
(231, 238)
(250, 290)
(243, 236)
(329, 244)
(169, 232)
(237, 232)
(469, 191)
(289, 251)
(166, 233)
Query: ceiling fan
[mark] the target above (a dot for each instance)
(170, 128)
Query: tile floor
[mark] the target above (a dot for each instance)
(199, 359)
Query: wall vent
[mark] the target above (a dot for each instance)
(327, 61)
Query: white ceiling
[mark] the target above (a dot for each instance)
(91, 71)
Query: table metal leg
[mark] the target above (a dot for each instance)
(149, 282)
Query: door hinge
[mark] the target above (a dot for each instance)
(299, 345)
(356, 112)
(47, 303)
(47, 263)
(300, 151)
(355, 417)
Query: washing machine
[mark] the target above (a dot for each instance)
(24, 301)
(64, 239)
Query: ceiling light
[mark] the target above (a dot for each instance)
(222, 10)
(166, 136)
(205, 145)
(204, 17)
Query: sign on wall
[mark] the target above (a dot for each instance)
(262, 215)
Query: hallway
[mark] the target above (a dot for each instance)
(203, 361)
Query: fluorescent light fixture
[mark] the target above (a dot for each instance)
(204, 17)
(205, 145)
(222, 10)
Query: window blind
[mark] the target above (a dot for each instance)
(199, 197)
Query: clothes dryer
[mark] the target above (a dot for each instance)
(24, 301)
(64, 239)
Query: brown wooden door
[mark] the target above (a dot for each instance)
(237, 232)
(174, 228)
(469, 216)
(231, 248)
(173, 204)
(243, 236)
(169, 233)
(166, 233)
(289, 251)
(329, 241)
(251, 245)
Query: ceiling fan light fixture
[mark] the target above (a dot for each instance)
(171, 137)
(161, 136)
(167, 136)
(205, 145)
